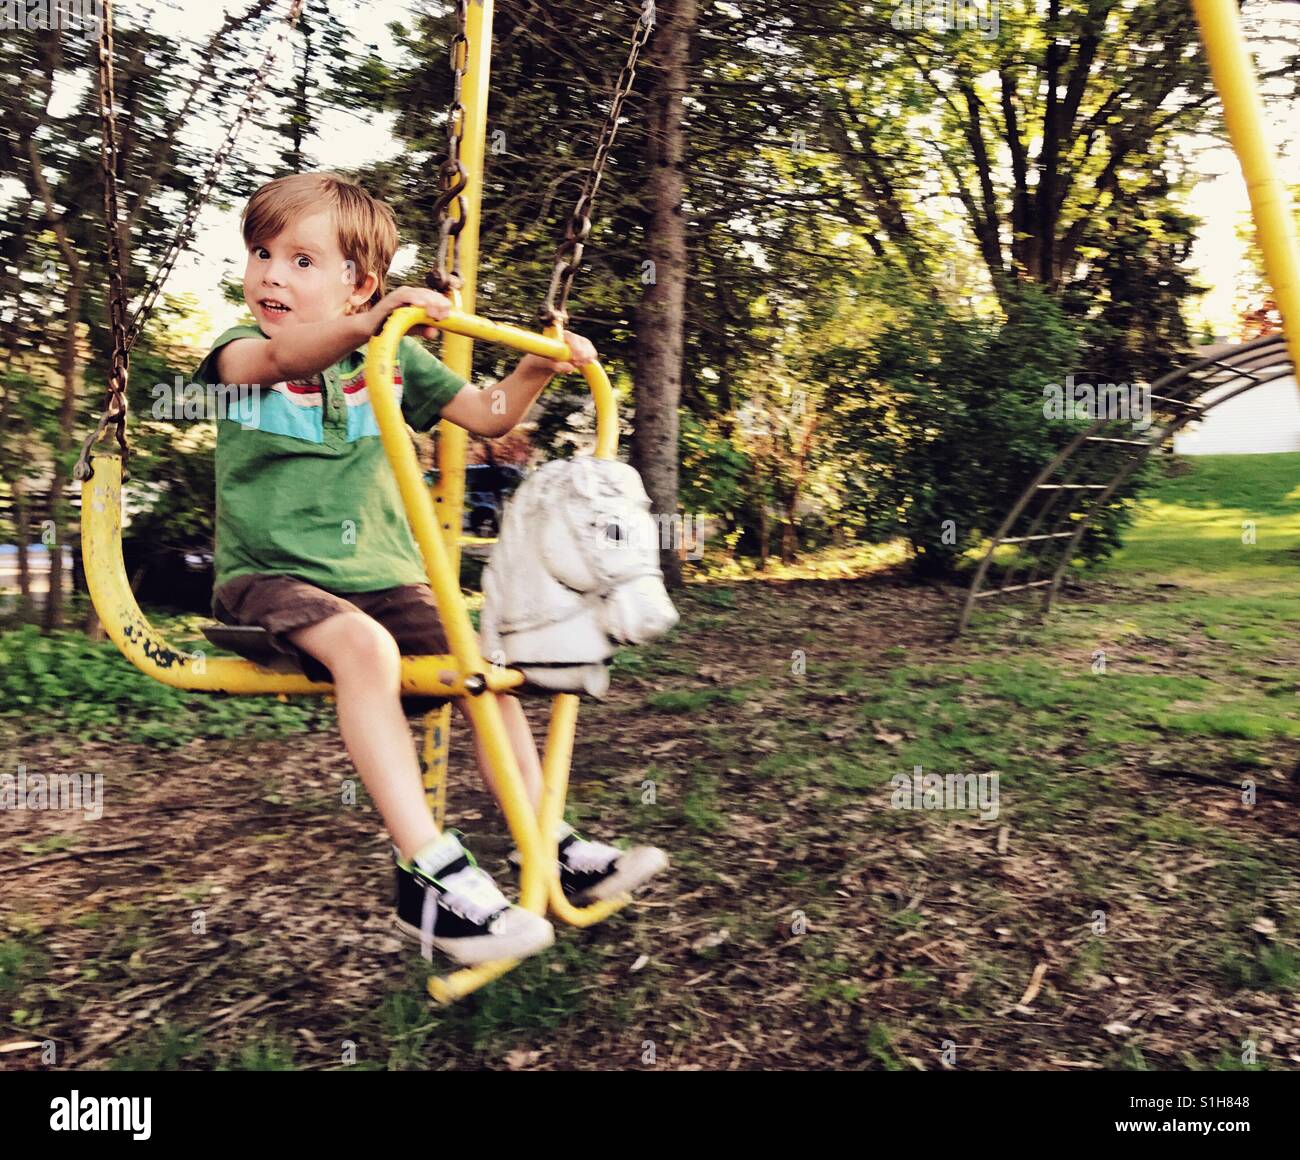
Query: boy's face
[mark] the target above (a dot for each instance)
(300, 275)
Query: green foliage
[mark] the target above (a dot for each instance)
(690, 700)
(539, 996)
(19, 964)
(1266, 968)
(56, 342)
(64, 683)
(166, 1048)
(713, 469)
(180, 490)
(939, 423)
(1129, 305)
(267, 1053)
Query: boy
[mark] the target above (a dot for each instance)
(313, 545)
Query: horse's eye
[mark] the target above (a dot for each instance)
(614, 532)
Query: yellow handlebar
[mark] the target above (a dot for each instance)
(382, 355)
(539, 885)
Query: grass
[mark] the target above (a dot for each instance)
(1226, 518)
(65, 684)
(772, 791)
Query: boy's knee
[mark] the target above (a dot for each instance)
(365, 646)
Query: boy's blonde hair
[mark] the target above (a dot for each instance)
(367, 230)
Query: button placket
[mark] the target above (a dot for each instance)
(333, 399)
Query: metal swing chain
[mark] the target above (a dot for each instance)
(115, 404)
(453, 177)
(127, 329)
(568, 257)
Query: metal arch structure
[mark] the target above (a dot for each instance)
(1047, 523)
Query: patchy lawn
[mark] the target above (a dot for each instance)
(1128, 907)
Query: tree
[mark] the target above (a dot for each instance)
(661, 317)
(1054, 141)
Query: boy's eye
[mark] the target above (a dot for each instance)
(261, 252)
(303, 261)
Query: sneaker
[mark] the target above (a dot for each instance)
(593, 871)
(446, 903)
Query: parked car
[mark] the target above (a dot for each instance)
(487, 487)
(179, 578)
(38, 569)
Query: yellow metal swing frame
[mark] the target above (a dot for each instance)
(1243, 113)
(435, 523)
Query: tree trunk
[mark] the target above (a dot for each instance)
(788, 544)
(69, 365)
(1049, 155)
(661, 312)
(300, 115)
(788, 552)
(22, 521)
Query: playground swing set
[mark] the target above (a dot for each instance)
(435, 520)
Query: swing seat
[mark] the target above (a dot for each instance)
(251, 643)
(256, 645)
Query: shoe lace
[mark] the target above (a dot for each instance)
(472, 894)
(582, 856)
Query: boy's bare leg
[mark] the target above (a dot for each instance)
(365, 663)
(521, 741)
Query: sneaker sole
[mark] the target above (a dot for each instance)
(636, 867)
(488, 948)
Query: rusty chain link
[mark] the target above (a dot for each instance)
(568, 256)
(115, 404)
(453, 178)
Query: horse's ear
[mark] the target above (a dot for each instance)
(585, 481)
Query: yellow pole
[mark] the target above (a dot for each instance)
(1243, 111)
(458, 350)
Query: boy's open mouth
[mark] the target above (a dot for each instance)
(271, 306)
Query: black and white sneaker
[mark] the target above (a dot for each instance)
(593, 871)
(446, 903)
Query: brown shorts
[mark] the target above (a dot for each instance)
(281, 604)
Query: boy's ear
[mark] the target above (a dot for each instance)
(362, 289)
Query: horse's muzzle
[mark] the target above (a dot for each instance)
(638, 611)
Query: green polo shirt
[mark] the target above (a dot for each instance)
(303, 486)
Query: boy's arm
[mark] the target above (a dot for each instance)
(499, 409)
(296, 352)
(299, 350)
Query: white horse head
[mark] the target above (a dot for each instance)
(574, 573)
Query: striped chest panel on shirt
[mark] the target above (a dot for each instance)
(361, 422)
(298, 410)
